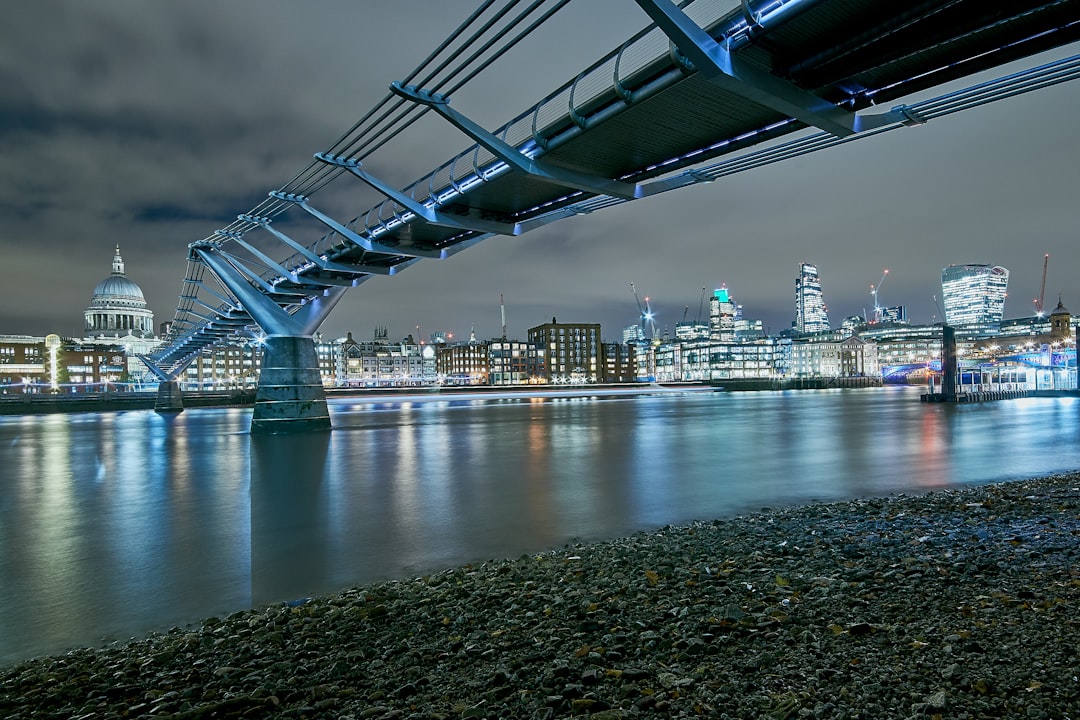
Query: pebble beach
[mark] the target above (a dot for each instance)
(957, 604)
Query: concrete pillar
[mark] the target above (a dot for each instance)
(949, 364)
(290, 395)
(169, 399)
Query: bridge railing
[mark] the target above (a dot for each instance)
(615, 73)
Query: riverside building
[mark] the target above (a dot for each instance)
(378, 362)
(761, 359)
(852, 357)
(571, 351)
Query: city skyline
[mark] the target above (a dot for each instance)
(807, 283)
(152, 127)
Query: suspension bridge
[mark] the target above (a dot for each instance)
(707, 89)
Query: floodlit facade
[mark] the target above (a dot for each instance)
(513, 362)
(706, 360)
(464, 363)
(22, 362)
(346, 362)
(235, 365)
(571, 351)
(117, 307)
(811, 314)
(974, 297)
(853, 357)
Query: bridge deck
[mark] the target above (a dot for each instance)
(642, 113)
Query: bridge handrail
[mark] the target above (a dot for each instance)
(615, 78)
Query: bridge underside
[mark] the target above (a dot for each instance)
(645, 119)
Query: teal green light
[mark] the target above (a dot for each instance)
(721, 294)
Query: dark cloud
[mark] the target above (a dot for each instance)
(152, 124)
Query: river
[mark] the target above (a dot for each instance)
(116, 524)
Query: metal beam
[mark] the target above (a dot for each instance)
(353, 237)
(430, 215)
(726, 70)
(311, 255)
(208, 306)
(285, 272)
(231, 302)
(513, 157)
(269, 316)
(160, 373)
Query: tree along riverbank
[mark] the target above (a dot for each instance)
(953, 604)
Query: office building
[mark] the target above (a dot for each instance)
(722, 315)
(620, 362)
(513, 362)
(824, 358)
(571, 351)
(464, 363)
(974, 297)
(811, 314)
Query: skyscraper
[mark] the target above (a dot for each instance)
(722, 316)
(974, 296)
(811, 315)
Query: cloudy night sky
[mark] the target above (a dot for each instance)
(151, 124)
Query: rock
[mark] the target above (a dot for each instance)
(544, 637)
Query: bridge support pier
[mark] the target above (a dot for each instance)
(169, 399)
(290, 395)
(949, 364)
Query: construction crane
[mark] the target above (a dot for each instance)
(645, 313)
(874, 292)
(701, 305)
(1042, 288)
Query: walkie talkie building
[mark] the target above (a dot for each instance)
(974, 296)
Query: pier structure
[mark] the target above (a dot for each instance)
(290, 394)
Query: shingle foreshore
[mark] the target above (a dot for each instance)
(953, 604)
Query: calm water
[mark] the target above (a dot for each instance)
(115, 524)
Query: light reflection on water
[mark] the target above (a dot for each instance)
(114, 524)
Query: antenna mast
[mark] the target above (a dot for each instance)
(1042, 288)
(502, 311)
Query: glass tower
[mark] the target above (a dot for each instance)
(974, 296)
(723, 312)
(811, 315)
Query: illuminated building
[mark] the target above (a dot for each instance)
(378, 362)
(811, 315)
(22, 360)
(117, 307)
(571, 351)
(513, 362)
(620, 362)
(691, 330)
(633, 334)
(227, 366)
(722, 315)
(894, 314)
(464, 363)
(906, 351)
(707, 360)
(974, 297)
(1061, 324)
(92, 364)
(853, 357)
